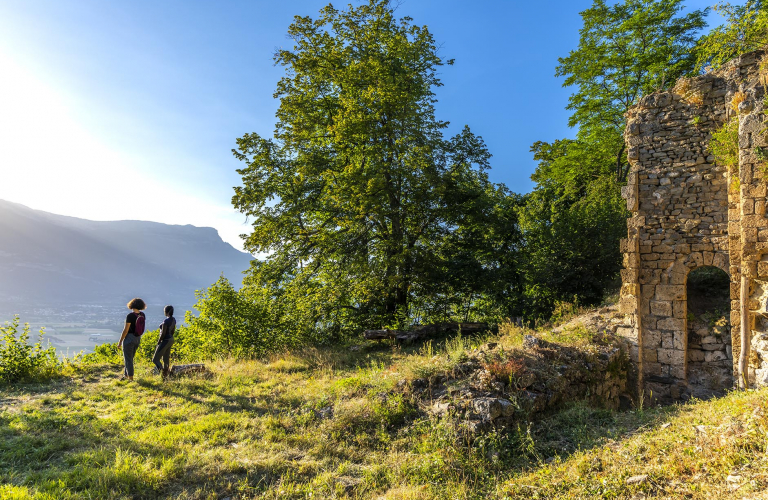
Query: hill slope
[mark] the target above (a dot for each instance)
(331, 423)
(52, 260)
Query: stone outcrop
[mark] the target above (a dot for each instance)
(689, 212)
(494, 388)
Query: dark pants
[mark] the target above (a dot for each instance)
(130, 345)
(163, 350)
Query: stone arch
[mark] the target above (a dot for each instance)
(709, 356)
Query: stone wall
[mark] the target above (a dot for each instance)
(689, 212)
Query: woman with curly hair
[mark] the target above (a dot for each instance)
(131, 337)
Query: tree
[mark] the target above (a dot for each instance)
(572, 223)
(745, 30)
(625, 51)
(358, 183)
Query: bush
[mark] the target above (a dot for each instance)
(111, 354)
(725, 145)
(22, 362)
(103, 353)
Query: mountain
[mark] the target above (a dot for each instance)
(49, 260)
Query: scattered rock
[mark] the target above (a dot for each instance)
(347, 484)
(178, 370)
(530, 342)
(324, 413)
(637, 479)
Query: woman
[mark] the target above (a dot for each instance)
(164, 343)
(131, 337)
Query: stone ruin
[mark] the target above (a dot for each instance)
(688, 213)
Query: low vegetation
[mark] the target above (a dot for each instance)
(21, 361)
(340, 423)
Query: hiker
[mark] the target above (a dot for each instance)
(164, 343)
(131, 337)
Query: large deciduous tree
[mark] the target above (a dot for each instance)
(745, 30)
(574, 218)
(356, 192)
(626, 50)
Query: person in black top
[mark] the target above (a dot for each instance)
(129, 340)
(164, 343)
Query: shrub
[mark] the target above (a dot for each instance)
(103, 353)
(506, 371)
(724, 145)
(22, 362)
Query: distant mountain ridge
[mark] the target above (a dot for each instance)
(54, 260)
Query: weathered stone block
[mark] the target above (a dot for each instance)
(670, 292)
(720, 260)
(631, 260)
(670, 356)
(695, 355)
(651, 338)
(762, 269)
(670, 324)
(627, 305)
(649, 356)
(648, 291)
(661, 308)
(630, 275)
(711, 356)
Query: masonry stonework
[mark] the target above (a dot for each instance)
(689, 212)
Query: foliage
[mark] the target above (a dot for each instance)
(724, 145)
(107, 353)
(745, 30)
(368, 214)
(572, 221)
(626, 50)
(571, 224)
(21, 361)
(229, 322)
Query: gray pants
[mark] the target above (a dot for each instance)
(130, 345)
(163, 350)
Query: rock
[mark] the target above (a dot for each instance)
(441, 409)
(178, 370)
(530, 342)
(487, 408)
(347, 484)
(419, 383)
(324, 413)
(637, 479)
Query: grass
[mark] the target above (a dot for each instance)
(330, 423)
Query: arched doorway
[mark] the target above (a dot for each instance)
(709, 355)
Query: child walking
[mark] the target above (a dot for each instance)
(164, 343)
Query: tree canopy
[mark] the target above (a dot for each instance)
(625, 51)
(359, 200)
(745, 30)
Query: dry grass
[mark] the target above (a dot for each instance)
(332, 423)
(689, 94)
(737, 99)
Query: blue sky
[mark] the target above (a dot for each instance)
(129, 110)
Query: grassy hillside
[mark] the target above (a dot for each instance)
(332, 423)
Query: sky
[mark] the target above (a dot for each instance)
(113, 110)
